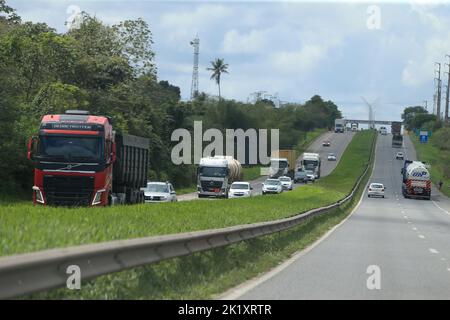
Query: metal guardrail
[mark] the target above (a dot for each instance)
(28, 273)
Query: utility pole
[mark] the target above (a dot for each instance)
(438, 105)
(426, 104)
(194, 87)
(447, 92)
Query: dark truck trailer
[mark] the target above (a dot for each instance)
(397, 138)
(130, 171)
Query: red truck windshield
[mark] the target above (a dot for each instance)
(70, 148)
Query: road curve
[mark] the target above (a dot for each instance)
(339, 142)
(406, 240)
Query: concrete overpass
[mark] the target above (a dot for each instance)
(385, 122)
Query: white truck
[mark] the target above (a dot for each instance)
(339, 125)
(311, 161)
(216, 174)
(278, 167)
(416, 180)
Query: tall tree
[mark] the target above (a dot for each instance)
(218, 67)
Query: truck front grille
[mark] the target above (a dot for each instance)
(68, 190)
(211, 185)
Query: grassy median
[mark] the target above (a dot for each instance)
(26, 228)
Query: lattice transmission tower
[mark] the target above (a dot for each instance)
(194, 87)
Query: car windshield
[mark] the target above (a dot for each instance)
(309, 172)
(331, 155)
(240, 186)
(280, 164)
(376, 186)
(285, 179)
(272, 182)
(310, 163)
(213, 171)
(156, 187)
(70, 148)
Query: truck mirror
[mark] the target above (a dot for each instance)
(31, 147)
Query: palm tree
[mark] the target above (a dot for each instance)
(218, 67)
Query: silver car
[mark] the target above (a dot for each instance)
(310, 175)
(159, 192)
(331, 157)
(376, 190)
(272, 186)
(286, 182)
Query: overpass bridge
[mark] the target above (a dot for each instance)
(369, 122)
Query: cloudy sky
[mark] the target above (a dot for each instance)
(340, 50)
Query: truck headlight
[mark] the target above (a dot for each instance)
(98, 197)
(38, 195)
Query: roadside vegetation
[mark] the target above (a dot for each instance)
(437, 151)
(208, 274)
(111, 70)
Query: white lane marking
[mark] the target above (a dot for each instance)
(433, 251)
(241, 289)
(421, 236)
(409, 222)
(415, 229)
(406, 217)
(443, 259)
(448, 269)
(440, 207)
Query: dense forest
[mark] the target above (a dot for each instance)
(110, 70)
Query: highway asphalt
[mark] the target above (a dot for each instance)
(339, 142)
(391, 248)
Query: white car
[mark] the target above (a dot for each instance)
(272, 186)
(310, 175)
(159, 192)
(286, 182)
(376, 189)
(240, 190)
(331, 157)
(399, 156)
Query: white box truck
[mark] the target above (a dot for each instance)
(311, 161)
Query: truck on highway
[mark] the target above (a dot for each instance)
(416, 180)
(79, 160)
(339, 125)
(311, 161)
(282, 163)
(397, 138)
(215, 176)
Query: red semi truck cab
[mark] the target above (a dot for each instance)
(77, 162)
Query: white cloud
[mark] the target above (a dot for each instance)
(183, 24)
(301, 61)
(252, 42)
(430, 49)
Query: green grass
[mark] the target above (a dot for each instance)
(436, 158)
(207, 274)
(26, 228)
(310, 137)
